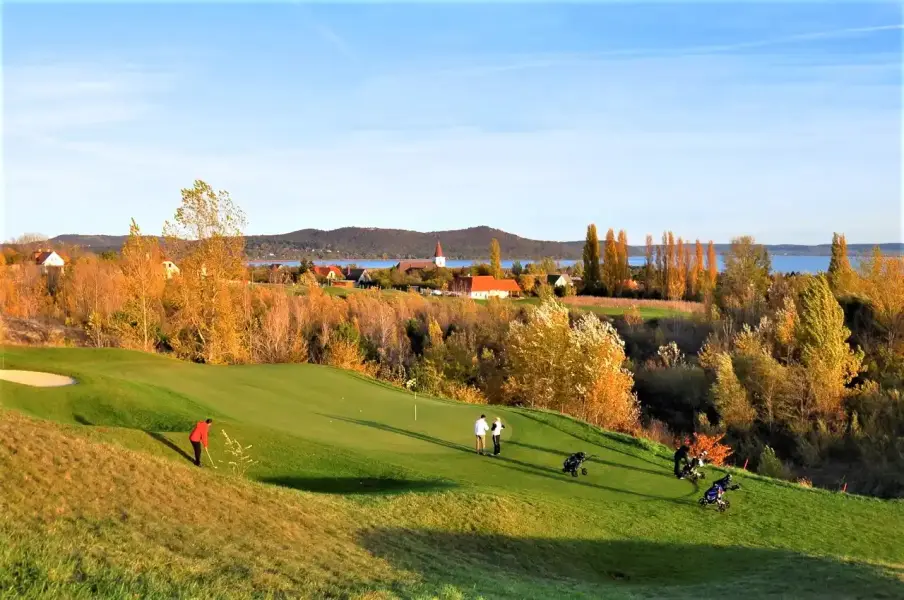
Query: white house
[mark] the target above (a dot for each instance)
(48, 259)
(556, 280)
(482, 287)
(170, 269)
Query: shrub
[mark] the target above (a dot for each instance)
(716, 452)
(771, 466)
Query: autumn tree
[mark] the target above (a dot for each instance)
(495, 259)
(624, 271)
(206, 236)
(824, 352)
(681, 269)
(24, 292)
(746, 278)
(712, 266)
(730, 397)
(674, 277)
(536, 350)
(882, 284)
(591, 260)
(659, 271)
(649, 268)
(698, 271)
(602, 385)
(578, 371)
(92, 294)
(841, 275)
(611, 267)
(144, 280)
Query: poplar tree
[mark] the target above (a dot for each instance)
(649, 267)
(841, 275)
(624, 270)
(699, 271)
(712, 266)
(591, 260)
(611, 266)
(495, 259)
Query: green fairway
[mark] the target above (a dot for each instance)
(412, 494)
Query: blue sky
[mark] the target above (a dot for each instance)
(714, 120)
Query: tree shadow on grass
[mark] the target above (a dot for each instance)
(171, 445)
(596, 460)
(605, 566)
(508, 462)
(596, 443)
(358, 485)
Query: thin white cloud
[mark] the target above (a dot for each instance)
(629, 53)
(335, 40)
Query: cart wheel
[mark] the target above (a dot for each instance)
(702, 502)
(564, 470)
(702, 475)
(574, 473)
(583, 471)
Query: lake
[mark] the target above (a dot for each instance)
(781, 263)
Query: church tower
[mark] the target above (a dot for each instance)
(438, 259)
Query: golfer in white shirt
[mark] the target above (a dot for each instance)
(480, 430)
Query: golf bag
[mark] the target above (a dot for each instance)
(575, 462)
(693, 469)
(715, 494)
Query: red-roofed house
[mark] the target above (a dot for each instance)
(330, 273)
(48, 259)
(481, 287)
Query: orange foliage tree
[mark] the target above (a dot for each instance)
(716, 452)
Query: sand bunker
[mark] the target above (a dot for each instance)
(36, 378)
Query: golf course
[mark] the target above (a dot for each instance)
(362, 490)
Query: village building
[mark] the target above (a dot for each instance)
(170, 269)
(438, 262)
(359, 277)
(559, 280)
(482, 287)
(48, 259)
(330, 273)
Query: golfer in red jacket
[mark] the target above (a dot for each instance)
(198, 436)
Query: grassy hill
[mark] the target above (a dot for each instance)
(354, 498)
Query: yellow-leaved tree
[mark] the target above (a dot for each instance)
(578, 371)
(495, 259)
(206, 237)
(828, 361)
(92, 294)
(144, 280)
(882, 283)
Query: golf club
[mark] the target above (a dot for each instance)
(212, 464)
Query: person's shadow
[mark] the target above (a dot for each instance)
(172, 446)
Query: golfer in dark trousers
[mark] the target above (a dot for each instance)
(197, 437)
(496, 430)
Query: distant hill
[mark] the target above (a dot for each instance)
(466, 244)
